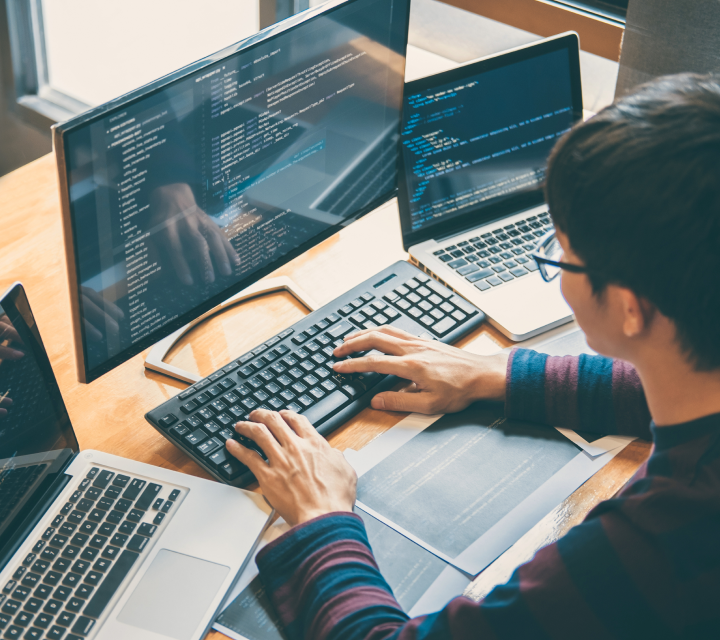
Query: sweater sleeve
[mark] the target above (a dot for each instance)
(325, 585)
(587, 393)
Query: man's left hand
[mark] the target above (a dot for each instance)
(304, 477)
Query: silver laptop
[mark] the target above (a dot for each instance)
(97, 546)
(474, 147)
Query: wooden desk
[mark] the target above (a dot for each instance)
(108, 414)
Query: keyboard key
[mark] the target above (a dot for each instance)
(137, 543)
(159, 517)
(506, 276)
(33, 605)
(135, 515)
(330, 404)
(84, 625)
(89, 554)
(43, 620)
(11, 607)
(147, 529)
(94, 577)
(197, 436)
(494, 281)
(482, 285)
(168, 420)
(62, 593)
(13, 631)
(456, 264)
(125, 527)
(52, 607)
(341, 329)
(43, 591)
(518, 272)
(133, 490)
(148, 495)
(442, 327)
(207, 447)
(346, 310)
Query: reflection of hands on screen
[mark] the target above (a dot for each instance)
(8, 335)
(5, 403)
(191, 239)
(100, 315)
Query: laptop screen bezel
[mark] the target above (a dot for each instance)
(507, 206)
(15, 304)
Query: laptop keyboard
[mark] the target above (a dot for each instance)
(294, 370)
(62, 587)
(494, 258)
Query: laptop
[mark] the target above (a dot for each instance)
(474, 146)
(97, 546)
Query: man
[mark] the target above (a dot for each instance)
(635, 198)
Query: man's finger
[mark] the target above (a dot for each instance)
(299, 424)
(275, 424)
(175, 249)
(248, 457)
(389, 365)
(387, 329)
(260, 435)
(388, 344)
(417, 402)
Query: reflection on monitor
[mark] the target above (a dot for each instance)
(186, 191)
(483, 138)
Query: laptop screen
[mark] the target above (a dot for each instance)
(36, 438)
(478, 137)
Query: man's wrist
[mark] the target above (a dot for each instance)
(490, 382)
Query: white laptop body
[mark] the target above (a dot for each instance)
(94, 546)
(474, 147)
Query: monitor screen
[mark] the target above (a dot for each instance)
(482, 137)
(36, 438)
(180, 195)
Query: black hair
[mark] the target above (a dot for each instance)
(636, 189)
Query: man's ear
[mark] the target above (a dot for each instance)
(637, 312)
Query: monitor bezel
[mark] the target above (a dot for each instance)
(526, 200)
(61, 130)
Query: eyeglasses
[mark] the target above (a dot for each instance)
(548, 254)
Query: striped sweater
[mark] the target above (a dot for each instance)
(645, 564)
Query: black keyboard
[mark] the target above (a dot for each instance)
(498, 256)
(86, 553)
(293, 370)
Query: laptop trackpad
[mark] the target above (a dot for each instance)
(173, 595)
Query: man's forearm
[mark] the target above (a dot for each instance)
(588, 393)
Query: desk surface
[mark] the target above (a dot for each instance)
(108, 414)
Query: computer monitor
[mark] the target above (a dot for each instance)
(186, 191)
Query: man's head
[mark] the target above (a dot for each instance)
(635, 191)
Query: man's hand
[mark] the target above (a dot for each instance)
(189, 236)
(445, 379)
(304, 477)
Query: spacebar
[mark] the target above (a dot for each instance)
(326, 406)
(110, 585)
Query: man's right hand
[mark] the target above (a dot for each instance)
(445, 379)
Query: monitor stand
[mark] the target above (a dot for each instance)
(155, 359)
